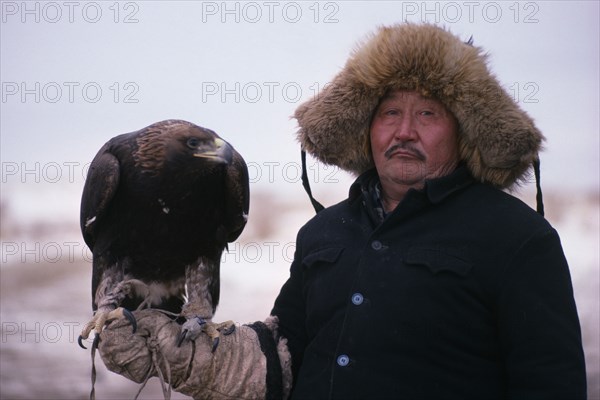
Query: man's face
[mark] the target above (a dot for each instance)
(413, 138)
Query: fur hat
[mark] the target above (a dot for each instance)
(498, 141)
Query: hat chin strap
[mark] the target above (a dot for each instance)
(319, 207)
(316, 205)
(538, 197)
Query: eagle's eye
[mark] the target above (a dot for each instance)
(193, 142)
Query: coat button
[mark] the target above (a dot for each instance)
(376, 245)
(343, 360)
(357, 299)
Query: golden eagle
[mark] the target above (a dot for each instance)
(158, 208)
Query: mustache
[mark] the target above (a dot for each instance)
(407, 148)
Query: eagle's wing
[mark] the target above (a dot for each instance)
(238, 196)
(203, 280)
(100, 187)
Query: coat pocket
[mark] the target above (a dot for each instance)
(438, 260)
(324, 284)
(327, 255)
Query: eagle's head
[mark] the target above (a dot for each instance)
(182, 146)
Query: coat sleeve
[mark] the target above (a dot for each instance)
(538, 324)
(290, 310)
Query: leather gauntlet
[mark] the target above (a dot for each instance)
(249, 363)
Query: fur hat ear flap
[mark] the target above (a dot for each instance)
(335, 126)
(498, 140)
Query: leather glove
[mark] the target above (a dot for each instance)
(247, 364)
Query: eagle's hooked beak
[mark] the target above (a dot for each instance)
(221, 152)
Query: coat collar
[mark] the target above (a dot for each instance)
(439, 189)
(435, 190)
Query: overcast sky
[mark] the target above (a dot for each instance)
(74, 74)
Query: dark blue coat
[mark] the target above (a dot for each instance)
(463, 292)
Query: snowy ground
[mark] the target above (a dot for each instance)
(45, 296)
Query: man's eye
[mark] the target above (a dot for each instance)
(426, 112)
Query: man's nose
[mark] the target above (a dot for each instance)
(406, 128)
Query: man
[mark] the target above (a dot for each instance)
(413, 139)
(429, 281)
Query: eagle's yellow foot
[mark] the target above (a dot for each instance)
(100, 319)
(194, 326)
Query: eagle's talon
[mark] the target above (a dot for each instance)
(229, 330)
(80, 342)
(181, 337)
(215, 344)
(127, 314)
(193, 327)
(96, 341)
(100, 319)
(216, 330)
